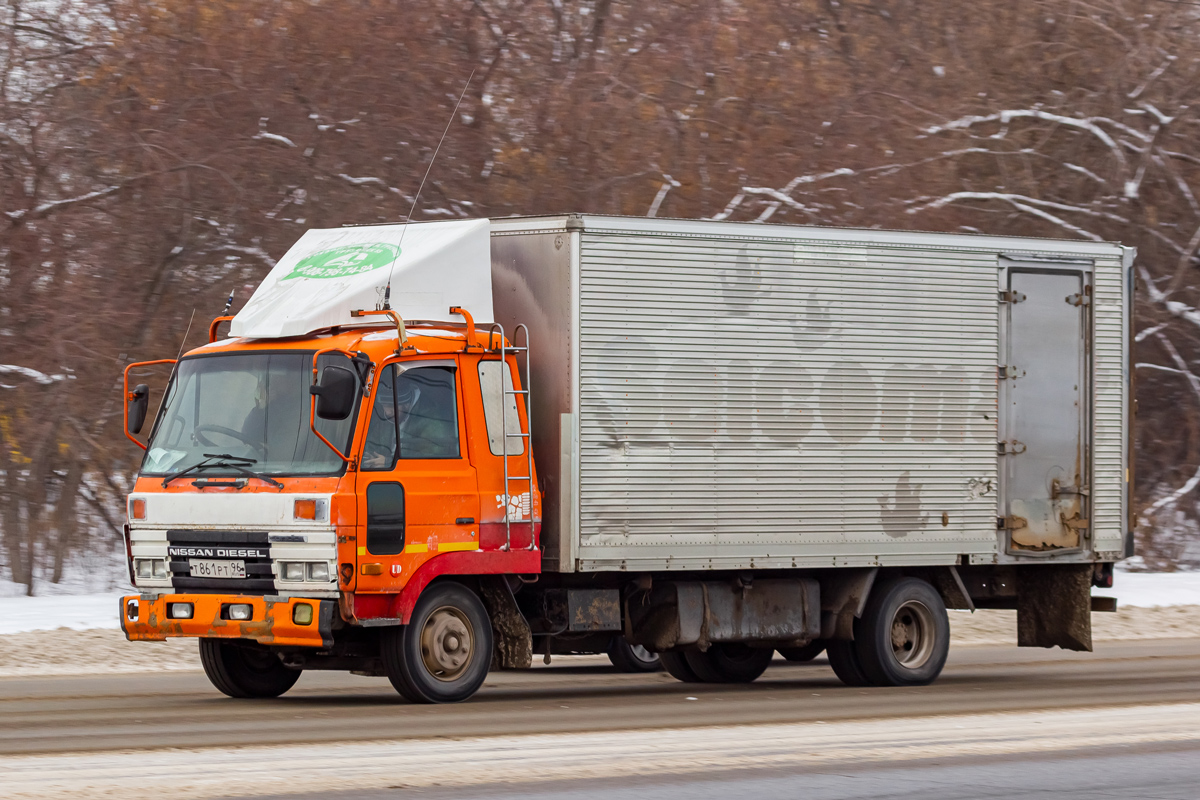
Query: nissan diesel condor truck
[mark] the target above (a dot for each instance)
(429, 450)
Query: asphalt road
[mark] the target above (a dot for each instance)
(1123, 722)
(80, 714)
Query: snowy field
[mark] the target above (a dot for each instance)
(99, 611)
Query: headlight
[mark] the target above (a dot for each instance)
(292, 570)
(318, 571)
(150, 568)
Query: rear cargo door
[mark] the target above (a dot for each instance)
(1044, 396)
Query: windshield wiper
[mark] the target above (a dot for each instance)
(235, 463)
(242, 470)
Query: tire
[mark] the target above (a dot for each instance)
(806, 653)
(903, 637)
(843, 657)
(628, 657)
(442, 655)
(243, 671)
(729, 662)
(677, 667)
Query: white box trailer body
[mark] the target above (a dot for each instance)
(728, 396)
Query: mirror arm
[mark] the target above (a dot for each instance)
(127, 395)
(312, 402)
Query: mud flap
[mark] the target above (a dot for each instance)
(1054, 606)
(513, 639)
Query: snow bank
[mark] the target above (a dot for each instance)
(1149, 589)
(78, 612)
(96, 611)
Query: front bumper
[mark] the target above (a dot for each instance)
(271, 622)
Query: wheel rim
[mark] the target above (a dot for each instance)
(642, 654)
(447, 643)
(912, 634)
(257, 661)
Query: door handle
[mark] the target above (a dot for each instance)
(465, 521)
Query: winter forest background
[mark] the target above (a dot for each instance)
(155, 154)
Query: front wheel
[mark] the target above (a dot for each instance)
(442, 655)
(903, 637)
(242, 671)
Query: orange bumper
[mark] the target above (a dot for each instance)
(146, 617)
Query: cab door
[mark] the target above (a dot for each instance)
(418, 494)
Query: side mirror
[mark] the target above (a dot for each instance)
(135, 411)
(335, 393)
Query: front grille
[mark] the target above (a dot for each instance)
(251, 547)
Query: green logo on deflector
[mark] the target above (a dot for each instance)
(341, 262)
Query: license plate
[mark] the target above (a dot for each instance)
(203, 568)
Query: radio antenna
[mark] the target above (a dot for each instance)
(387, 293)
(185, 335)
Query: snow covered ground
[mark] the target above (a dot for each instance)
(96, 611)
(78, 612)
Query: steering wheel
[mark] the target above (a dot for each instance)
(198, 435)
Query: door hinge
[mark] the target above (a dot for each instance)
(1079, 299)
(1009, 373)
(1011, 523)
(1011, 297)
(1013, 448)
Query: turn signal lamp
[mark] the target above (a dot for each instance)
(137, 508)
(305, 509)
(302, 614)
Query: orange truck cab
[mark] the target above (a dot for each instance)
(354, 497)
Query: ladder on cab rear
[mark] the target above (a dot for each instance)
(524, 509)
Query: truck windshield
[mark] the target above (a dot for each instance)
(248, 406)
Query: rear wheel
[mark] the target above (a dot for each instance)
(843, 657)
(243, 671)
(628, 657)
(729, 662)
(677, 667)
(806, 653)
(903, 637)
(442, 655)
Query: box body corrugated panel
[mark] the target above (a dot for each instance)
(731, 396)
(1111, 405)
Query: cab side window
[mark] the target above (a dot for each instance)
(415, 416)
